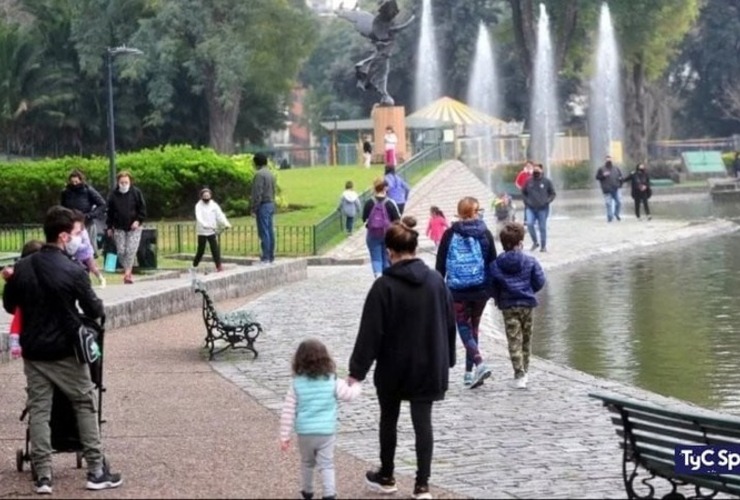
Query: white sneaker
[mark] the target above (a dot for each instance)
(521, 382)
(103, 283)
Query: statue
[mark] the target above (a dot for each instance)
(372, 72)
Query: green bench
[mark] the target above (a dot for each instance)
(661, 182)
(648, 436)
(230, 330)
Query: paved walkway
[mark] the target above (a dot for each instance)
(178, 429)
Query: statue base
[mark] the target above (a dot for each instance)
(389, 116)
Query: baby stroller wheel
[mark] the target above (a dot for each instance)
(19, 459)
(78, 456)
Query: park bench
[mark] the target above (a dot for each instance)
(231, 330)
(649, 435)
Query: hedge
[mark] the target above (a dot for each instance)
(169, 177)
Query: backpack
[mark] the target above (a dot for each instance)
(465, 263)
(378, 221)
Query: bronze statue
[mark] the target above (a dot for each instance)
(372, 72)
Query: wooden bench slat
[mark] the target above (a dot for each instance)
(719, 422)
(684, 435)
(709, 428)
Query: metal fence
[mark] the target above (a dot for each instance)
(242, 240)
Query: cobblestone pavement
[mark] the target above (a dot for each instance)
(550, 440)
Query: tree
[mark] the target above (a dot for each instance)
(225, 46)
(705, 75)
(650, 33)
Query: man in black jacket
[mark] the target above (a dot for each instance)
(78, 195)
(47, 286)
(610, 179)
(537, 194)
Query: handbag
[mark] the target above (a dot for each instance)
(86, 345)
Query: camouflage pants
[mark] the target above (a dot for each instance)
(518, 324)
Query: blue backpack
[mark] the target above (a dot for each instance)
(465, 263)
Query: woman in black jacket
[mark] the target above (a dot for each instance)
(408, 329)
(641, 190)
(126, 213)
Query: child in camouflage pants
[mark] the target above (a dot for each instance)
(515, 279)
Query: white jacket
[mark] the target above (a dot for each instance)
(209, 218)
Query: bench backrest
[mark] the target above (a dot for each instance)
(652, 432)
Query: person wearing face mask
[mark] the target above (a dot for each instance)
(610, 179)
(641, 189)
(538, 193)
(79, 195)
(126, 213)
(209, 221)
(48, 286)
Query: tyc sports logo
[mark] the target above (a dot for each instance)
(718, 459)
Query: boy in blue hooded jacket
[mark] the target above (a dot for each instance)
(515, 279)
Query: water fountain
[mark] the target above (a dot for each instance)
(544, 112)
(428, 76)
(483, 85)
(606, 124)
(483, 94)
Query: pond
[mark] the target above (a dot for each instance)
(667, 321)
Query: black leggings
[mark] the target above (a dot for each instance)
(421, 417)
(215, 250)
(644, 202)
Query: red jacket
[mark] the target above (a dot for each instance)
(522, 178)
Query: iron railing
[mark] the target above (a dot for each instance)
(242, 240)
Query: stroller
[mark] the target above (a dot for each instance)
(63, 423)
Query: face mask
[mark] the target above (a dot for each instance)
(537, 175)
(124, 188)
(73, 245)
(206, 200)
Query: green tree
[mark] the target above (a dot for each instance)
(225, 47)
(650, 32)
(706, 74)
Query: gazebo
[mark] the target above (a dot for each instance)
(447, 109)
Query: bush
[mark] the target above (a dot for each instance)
(169, 177)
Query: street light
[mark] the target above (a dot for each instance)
(111, 53)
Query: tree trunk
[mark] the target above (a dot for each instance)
(524, 33)
(636, 147)
(566, 32)
(223, 111)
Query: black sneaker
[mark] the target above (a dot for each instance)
(385, 485)
(43, 486)
(306, 495)
(106, 480)
(422, 491)
(534, 247)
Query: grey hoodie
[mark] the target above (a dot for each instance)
(349, 203)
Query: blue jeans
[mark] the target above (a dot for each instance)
(540, 217)
(378, 255)
(265, 231)
(349, 223)
(613, 202)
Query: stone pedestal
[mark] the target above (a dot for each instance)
(393, 116)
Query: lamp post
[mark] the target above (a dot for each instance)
(111, 53)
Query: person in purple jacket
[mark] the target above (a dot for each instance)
(515, 279)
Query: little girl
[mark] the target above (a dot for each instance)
(437, 225)
(85, 254)
(311, 404)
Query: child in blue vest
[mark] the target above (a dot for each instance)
(311, 406)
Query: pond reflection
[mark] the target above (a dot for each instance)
(665, 321)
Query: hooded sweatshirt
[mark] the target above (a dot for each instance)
(408, 329)
(477, 229)
(349, 203)
(515, 278)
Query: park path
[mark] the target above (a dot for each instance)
(181, 428)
